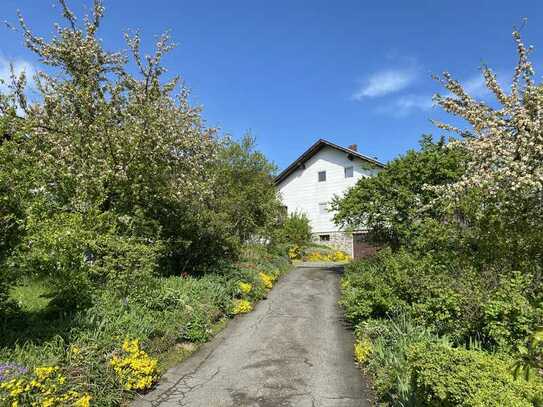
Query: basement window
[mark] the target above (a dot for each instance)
(322, 176)
(349, 172)
(324, 238)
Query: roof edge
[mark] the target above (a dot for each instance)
(311, 151)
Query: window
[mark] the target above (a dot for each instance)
(348, 172)
(322, 176)
(322, 208)
(324, 238)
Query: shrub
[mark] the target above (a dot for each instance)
(362, 349)
(445, 376)
(266, 279)
(295, 230)
(370, 290)
(294, 252)
(387, 363)
(134, 368)
(242, 307)
(45, 386)
(245, 288)
(509, 316)
(328, 255)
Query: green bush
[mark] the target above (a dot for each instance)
(445, 376)
(452, 299)
(509, 315)
(295, 230)
(387, 364)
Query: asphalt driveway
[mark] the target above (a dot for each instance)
(293, 350)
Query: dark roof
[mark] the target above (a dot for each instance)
(314, 149)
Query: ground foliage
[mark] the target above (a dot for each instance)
(452, 310)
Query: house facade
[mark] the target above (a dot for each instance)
(313, 179)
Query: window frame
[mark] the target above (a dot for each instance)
(351, 169)
(323, 173)
(323, 208)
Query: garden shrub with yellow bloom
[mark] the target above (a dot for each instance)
(294, 252)
(266, 279)
(134, 367)
(44, 386)
(245, 287)
(362, 349)
(242, 307)
(337, 256)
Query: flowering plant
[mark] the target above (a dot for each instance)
(266, 279)
(362, 349)
(245, 287)
(134, 367)
(45, 386)
(242, 307)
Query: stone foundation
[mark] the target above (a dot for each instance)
(338, 241)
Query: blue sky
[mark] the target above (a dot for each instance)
(293, 71)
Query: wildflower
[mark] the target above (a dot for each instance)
(267, 281)
(10, 370)
(245, 287)
(135, 368)
(362, 349)
(242, 307)
(43, 373)
(294, 252)
(84, 401)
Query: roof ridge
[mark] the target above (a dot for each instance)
(313, 149)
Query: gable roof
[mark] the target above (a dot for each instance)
(314, 149)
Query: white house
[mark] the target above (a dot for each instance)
(311, 181)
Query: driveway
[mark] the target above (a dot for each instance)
(294, 350)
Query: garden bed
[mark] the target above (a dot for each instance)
(104, 354)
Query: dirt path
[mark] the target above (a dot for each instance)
(293, 350)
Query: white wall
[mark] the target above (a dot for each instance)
(301, 191)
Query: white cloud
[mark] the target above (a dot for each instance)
(19, 66)
(385, 82)
(407, 104)
(414, 102)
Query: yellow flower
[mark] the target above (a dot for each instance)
(84, 401)
(136, 370)
(294, 252)
(267, 281)
(242, 307)
(43, 373)
(245, 287)
(131, 346)
(48, 402)
(362, 349)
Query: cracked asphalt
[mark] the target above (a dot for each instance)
(294, 349)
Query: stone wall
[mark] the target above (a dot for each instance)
(338, 240)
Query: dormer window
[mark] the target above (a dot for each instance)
(322, 176)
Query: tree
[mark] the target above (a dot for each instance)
(245, 189)
(500, 193)
(112, 167)
(391, 203)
